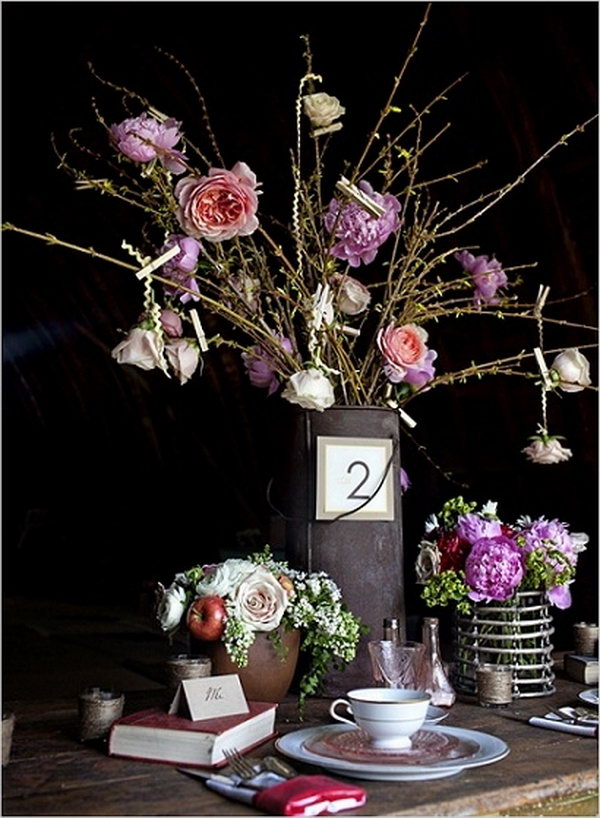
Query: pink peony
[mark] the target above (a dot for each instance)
(488, 276)
(143, 138)
(218, 206)
(359, 234)
(406, 356)
(494, 569)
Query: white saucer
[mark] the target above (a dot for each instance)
(435, 714)
(589, 696)
(490, 749)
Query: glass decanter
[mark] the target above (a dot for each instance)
(436, 682)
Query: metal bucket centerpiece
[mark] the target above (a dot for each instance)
(514, 633)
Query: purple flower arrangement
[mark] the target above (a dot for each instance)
(469, 555)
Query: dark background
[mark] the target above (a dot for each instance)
(114, 477)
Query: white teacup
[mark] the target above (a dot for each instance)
(388, 716)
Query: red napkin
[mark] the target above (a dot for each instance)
(310, 795)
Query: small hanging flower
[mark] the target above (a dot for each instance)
(546, 450)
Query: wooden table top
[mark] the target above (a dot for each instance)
(51, 773)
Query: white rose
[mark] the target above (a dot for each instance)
(143, 348)
(428, 561)
(572, 369)
(310, 389)
(171, 608)
(352, 296)
(225, 578)
(547, 453)
(580, 541)
(322, 109)
(183, 358)
(260, 601)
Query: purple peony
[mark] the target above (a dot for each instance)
(472, 527)
(359, 234)
(260, 366)
(404, 481)
(545, 534)
(179, 267)
(494, 569)
(143, 138)
(488, 277)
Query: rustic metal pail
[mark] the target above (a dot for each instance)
(363, 556)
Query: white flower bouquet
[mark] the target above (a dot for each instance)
(238, 598)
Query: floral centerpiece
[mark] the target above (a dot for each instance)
(469, 555)
(236, 599)
(502, 579)
(337, 303)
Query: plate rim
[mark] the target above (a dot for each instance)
(388, 770)
(590, 695)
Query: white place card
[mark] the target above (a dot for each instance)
(354, 474)
(210, 697)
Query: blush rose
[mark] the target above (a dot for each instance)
(260, 600)
(406, 356)
(219, 206)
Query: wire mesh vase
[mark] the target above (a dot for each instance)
(514, 633)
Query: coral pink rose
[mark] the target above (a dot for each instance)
(402, 346)
(218, 206)
(406, 355)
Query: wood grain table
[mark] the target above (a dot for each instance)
(545, 773)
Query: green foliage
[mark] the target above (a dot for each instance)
(447, 587)
(453, 509)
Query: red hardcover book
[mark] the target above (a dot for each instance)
(155, 735)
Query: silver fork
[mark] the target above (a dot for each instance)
(250, 775)
(240, 766)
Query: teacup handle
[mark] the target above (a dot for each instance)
(336, 716)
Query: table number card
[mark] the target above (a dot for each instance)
(354, 473)
(210, 697)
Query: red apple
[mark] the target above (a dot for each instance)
(206, 618)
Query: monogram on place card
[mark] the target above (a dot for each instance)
(210, 697)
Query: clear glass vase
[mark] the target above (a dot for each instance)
(435, 680)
